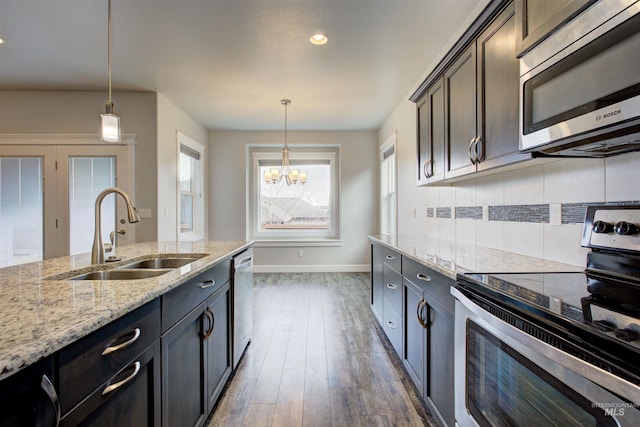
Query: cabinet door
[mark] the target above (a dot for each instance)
(460, 107)
(414, 342)
(431, 134)
(183, 372)
(498, 80)
(24, 401)
(537, 19)
(439, 377)
(218, 343)
(377, 281)
(130, 398)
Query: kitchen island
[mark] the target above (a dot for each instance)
(41, 316)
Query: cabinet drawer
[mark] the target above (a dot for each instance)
(392, 290)
(181, 300)
(434, 284)
(392, 259)
(89, 362)
(392, 325)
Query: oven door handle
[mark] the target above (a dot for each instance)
(540, 352)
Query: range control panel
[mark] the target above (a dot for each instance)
(615, 227)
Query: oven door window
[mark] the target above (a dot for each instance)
(506, 389)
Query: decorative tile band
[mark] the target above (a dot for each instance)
(519, 213)
(443, 212)
(573, 213)
(472, 212)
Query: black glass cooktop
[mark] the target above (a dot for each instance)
(591, 302)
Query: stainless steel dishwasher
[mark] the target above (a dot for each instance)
(242, 294)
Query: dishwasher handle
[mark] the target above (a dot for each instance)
(243, 263)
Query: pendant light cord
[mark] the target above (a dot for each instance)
(109, 56)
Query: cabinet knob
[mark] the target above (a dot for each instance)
(602, 227)
(624, 228)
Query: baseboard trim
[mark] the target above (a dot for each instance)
(349, 268)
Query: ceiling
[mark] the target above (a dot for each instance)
(227, 63)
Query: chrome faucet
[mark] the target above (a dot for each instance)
(97, 252)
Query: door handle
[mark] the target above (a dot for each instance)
(471, 151)
(212, 322)
(427, 168)
(50, 391)
(479, 149)
(418, 311)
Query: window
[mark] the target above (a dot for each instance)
(303, 212)
(190, 197)
(388, 186)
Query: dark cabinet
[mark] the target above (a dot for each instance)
(460, 108)
(376, 281)
(428, 345)
(482, 101)
(431, 134)
(468, 117)
(218, 344)
(196, 351)
(498, 99)
(28, 397)
(538, 19)
(129, 398)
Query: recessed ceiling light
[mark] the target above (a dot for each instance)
(318, 39)
(1, 41)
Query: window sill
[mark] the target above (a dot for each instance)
(296, 243)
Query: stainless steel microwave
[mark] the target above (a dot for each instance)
(580, 88)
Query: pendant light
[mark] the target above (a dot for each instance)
(292, 177)
(110, 131)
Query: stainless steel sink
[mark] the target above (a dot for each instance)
(120, 274)
(161, 262)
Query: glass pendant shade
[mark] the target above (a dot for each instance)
(110, 128)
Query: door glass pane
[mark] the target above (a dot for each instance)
(21, 210)
(88, 176)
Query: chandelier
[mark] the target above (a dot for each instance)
(291, 176)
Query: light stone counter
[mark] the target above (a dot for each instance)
(40, 316)
(449, 258)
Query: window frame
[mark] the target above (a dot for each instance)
(389, 200)
(198, 232)
(298, 155)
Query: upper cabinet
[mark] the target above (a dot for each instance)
(468, 115)
(538, 19)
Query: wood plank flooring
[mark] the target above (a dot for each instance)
(317, 358)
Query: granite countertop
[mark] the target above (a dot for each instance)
(450, 258)
(40, 316)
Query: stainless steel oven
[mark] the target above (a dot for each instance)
(511, 375)
(555, 348)
(580, 88)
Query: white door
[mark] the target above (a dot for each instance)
(47, 199)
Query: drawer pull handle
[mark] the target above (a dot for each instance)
(212, 322)
(50, 391)
(390, 257)
(127, 343)
(391, 324)
(114, 387)
(207, 284)
(392, 286)
(424, 278)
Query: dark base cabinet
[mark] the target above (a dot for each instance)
(23, 401)
(130, 398)
(417, 318)
(196, 361)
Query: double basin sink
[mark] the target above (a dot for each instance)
(141, 269)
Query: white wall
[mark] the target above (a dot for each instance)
(172, 120)
(58, 112)
(359, 208)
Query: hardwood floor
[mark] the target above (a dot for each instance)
(317, 358)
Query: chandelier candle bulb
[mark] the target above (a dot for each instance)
(267, 176)
(303, 177)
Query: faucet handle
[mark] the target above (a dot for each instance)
(108, 247)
